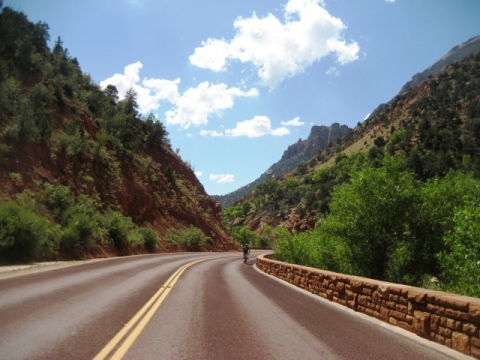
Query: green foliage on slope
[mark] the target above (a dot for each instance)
(93, 169)
(35, 82)
(396, 198)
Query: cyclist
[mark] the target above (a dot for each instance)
(246, 252)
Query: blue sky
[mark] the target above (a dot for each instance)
(236, 82)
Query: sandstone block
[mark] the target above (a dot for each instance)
(438, 338)
(401, 308)
(475, 352)
(475, 342)
(389, 304)
(383, 291)
(434, 322)
(405, 325)
(452, 302)
(367, 291)
(398, 315)
(421, 323)
(461, 342)
(451, 324)
(435, 309)
(418, 296)
(474, 312)
(403, 300)
(357, 286)
(458, 315)
(470, 329)
(446, 332)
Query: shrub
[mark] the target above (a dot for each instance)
(245, 236)
(150, 238)
(117, 228)
(22, 232)
(191, 236)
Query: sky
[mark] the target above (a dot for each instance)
(236, 82)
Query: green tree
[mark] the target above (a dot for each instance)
(461, 260)
(156, 132)
(244, 236)
(371, 215)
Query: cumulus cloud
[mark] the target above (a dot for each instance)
(149, 91)
(195, 105)
(280, 49)
(294, 122)
(198, 173)
(222, 178)
(257, 127)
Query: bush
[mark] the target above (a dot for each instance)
(59, 199)
(22, 232)
(245, 236)
(193, 237)
(150, 238)
(80, 231)
(117, 228)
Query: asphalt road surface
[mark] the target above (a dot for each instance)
(171, 307)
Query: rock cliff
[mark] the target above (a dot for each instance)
(320, 137)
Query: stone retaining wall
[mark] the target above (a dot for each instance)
(450, 320)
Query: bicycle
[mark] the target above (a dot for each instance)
(245, 258)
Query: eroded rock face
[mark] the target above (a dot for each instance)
(150, 198)
(320, 137)
(296, 223)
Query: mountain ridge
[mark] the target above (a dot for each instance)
(320, 136)
(434, 125)
(457, 53)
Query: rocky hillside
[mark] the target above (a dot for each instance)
(319, 138)
(434, 127)
(458, 53)
(93, 176)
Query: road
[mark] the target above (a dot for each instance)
(215, 309)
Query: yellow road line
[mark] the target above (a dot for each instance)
(151, 306)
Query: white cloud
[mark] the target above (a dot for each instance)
(149, 91)
(258, 126)
(280, 50)
(294, 122)
(198, 173)
(222, 178)
(125, 81)
(195, 105)
(390, 1)
(213, 133)
(333, 71)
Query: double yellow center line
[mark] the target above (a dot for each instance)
(141, 318)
